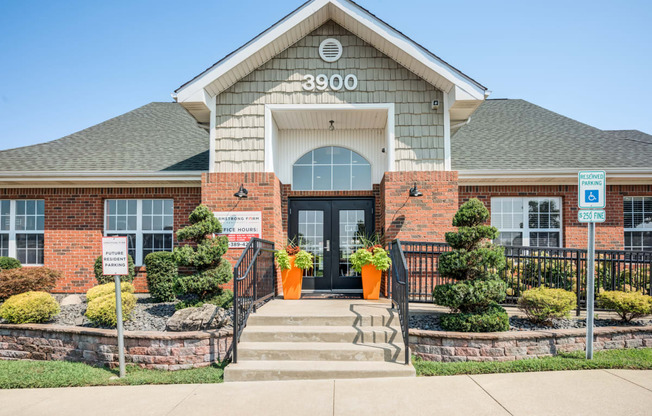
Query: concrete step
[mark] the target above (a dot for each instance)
(351, 319)
(319, 351)
(348, 334)
(313, 370)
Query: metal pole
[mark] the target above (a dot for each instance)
(118, 312)
(590, 288)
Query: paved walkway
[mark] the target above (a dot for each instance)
(595, 392)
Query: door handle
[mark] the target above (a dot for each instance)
(328, 245)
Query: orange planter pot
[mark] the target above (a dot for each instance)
(292, 279)
(371, 282)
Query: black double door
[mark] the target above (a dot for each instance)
(330, 230)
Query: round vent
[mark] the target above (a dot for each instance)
(330, 50)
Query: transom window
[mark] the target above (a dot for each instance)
(21, 230)
(532, 222)
(147, 223)
(331, 169)
(638, 222)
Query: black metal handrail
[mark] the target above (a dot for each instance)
(399, 291)
(252, 287)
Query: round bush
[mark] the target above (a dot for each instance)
(542, 305)
(7, 263)
(101, 310)
(102, 278)
(106, 289)
(27, 279)
(29, 307)
(494, 319)
(470, 295)
(161, 272)
(628, 305)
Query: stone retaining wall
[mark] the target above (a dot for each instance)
(508, 346)
(156, 350)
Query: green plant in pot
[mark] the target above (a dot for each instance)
(292, 261)
(370, 261)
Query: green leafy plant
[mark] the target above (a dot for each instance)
(101, 310)
(371, 255)
(102, 278)
(203, 254)
(26, 279)
(282, 259)
(161, 271)
(223, 300)
(542, 305)
(302, 259)
(628, 305)
(475, 264)
(29, 307)
(107, 289)
(7, 263)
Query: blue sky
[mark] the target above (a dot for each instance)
(68, 65)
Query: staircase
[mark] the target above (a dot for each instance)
(320, 339)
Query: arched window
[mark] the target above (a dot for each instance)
(331, 169)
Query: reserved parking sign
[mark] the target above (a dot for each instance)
(592, 189)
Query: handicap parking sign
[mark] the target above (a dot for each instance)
(592, 196)
(591, 186)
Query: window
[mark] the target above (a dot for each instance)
(21, 230)
(331, 169)
(638, 222)
(147, 224)
(532, 222)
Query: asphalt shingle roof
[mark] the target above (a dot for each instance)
(519, 135)
(633, 135)
(155, 137)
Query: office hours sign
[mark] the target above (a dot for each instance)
(240, 227)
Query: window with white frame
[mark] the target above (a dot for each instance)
(147, 224)
(638, 222)
(21, 230)
(534, 222)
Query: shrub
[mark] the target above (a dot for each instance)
(628, 305)
(493, 319)
(223, 300)
(102, 278)
(161, 272)
(101, 310)
(7, 263)
(302, 259)
(370, 255)
(542, 304)
(468, 296)
(106, 289)
(27, 279)
(29, 307)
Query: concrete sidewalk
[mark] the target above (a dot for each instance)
(595, 392)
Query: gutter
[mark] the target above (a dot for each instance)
(615, 176)
(99, 176)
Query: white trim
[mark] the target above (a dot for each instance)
(447, 132)
(391, 138)
(12, 231)
(526, 230)
(212, 123)
(269, 140)
(615, 176)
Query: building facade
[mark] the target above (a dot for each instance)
(333, 122)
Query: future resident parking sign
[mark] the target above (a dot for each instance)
(115, 252)
(592, 189)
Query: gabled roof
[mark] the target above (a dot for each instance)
(632, 135)
(309, 17)
(512, 135)
(157, 137)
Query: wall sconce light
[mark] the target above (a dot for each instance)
(332, 126)
(435, 105)
(242, 192)
(414, 192)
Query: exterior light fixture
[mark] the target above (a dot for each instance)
(332, 126)
(242, 192)
(414, 192)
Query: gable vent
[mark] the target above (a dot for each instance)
(330, 50)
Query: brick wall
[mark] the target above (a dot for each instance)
(74, 225)
(609, 235)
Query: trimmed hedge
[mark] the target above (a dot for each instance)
(494, 319)
(628, 305)
(29, 307)
(106, 289)
(161, 271)
(7, 263)
(542, 305)
(27, 279)
(102, 278)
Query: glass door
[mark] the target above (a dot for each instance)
(309, 226)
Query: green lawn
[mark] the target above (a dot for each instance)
(40, 374)
(637, 359)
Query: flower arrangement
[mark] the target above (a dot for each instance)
(302, 259)
(371, 253)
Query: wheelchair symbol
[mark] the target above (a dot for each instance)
(592, 195)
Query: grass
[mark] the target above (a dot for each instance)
(637, 359)
(41, 374)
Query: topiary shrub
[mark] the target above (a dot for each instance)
(204, 255)
(161, 272)
(27, 279)
(542, 305)
(107, 289)
(223, 300)
(103, 279)
(29, 307)
(8, 263)
(101, 310)
(474, 263)
(628, 305)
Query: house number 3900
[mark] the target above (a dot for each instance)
(335, 82)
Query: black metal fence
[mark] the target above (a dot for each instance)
(529, 267)
(399, 294)
(254, 277)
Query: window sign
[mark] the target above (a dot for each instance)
(240, 227)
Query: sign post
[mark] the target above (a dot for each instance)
(115, 262)
(591, 195)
